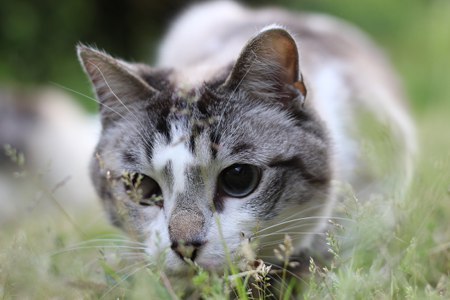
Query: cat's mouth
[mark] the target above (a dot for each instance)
(201, 259)
(204, 259)
(187, 266)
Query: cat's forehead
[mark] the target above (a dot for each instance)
(210, 124)
(205, 126)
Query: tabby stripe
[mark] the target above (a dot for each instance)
(298, 163)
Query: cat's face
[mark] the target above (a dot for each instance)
(195, 173)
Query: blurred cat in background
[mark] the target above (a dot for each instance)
(56, 138)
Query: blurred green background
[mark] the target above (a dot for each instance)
(38, 38)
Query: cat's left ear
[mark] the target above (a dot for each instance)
(268, 66)
(116, 83)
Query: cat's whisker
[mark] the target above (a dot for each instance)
(76, 92)
(302, 219)
(101, 243)
(133, 251)
(117, 236)
(90, 98)
(305, 211)
(292, 235)
(124, 278)
(142, 254)
(93, 247)
(134, 126)
(281, 268)
(281, 283)
(108, 243)
(117, 98)
(231, 96)
(301, 212)
(277, 288)
(295, 226)
(127, 268)
(280, 286)
(284, 229)
(134, 257)
(293, 238)
(111, 240)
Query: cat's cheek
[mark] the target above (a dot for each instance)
(235, 219)
(227, 227)
(157, 237)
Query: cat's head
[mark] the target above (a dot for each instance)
(195, 172)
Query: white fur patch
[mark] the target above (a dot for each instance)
(158, 236)
(226, 227)
(178, 154)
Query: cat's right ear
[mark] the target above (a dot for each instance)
(116, 83)
(268, 67)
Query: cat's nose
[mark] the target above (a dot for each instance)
(188, 250)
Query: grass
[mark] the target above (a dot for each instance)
(44, 255)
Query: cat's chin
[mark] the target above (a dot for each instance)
(184, 268)
(212, 265)
(175, 266)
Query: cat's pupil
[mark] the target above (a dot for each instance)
(239, 180)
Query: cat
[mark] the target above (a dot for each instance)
(46, 126)
(242, 131)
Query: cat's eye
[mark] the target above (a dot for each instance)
(142, 189)
(239, 180)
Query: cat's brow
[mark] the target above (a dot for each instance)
(243, 147)
(298, 163)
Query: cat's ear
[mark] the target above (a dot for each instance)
(117, 84)
(268, 66)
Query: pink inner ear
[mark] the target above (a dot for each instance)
(267, 64)
(287, 56)
(299, 85)
(281, 47)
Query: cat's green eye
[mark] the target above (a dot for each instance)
(142, 189)
(239, 180)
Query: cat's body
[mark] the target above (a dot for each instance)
(240, 133)
(57, 138)
(342, 68)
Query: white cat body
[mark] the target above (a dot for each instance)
(57, 139)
